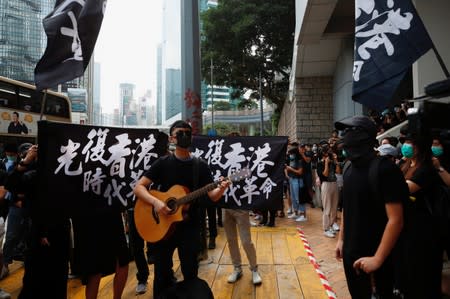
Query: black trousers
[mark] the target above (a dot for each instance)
(268, 217)
(360, 284)
(137, 249)
(47, 267)
(185, 238)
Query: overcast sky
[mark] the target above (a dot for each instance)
(126, 48)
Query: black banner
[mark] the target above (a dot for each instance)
(265, 156)
(389, 38)
(72, 29)
(82, 167)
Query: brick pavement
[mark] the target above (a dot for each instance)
(323, 249)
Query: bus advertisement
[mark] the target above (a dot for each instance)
(20, 110)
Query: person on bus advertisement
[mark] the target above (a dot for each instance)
(16, 126)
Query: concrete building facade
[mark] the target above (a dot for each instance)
(322, 66)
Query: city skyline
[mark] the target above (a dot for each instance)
(126, 49)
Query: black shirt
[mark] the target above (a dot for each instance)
(331, 171)
(364, 212)
(168, 171)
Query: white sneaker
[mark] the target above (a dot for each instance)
(335, 227)
(256, 278)
(237, 273)
(289, 211)
(141, 288)
(301, 218)
(253, 223)
(292, 216)
(4, 295)
(257, 217)
(329, 233)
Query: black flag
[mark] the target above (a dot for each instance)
(72, 29)
(389, 38)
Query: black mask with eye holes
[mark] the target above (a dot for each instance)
(357, 143)
(184, 139)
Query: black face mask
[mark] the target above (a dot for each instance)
(184, 139)
(357, 144)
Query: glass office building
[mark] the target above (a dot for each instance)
(22, 37)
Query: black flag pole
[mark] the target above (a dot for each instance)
(44, 99)
(441, 62)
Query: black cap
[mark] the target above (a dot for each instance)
(358, 121)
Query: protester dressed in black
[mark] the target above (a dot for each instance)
(177, 169)
(423, 253)
(373, 218)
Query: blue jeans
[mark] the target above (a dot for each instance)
(295, 184)
(17, 229)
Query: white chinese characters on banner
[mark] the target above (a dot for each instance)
(119, 162)
(395, 21)
(233, 158)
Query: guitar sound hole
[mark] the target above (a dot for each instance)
(172, 205)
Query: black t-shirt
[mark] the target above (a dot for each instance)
(296, 163)
(425, 177)
(331, 171)
(364, 213)
(168, 171)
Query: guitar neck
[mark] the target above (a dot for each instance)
(197, 193)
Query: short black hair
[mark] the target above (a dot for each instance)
(179, 124)
(10, 147)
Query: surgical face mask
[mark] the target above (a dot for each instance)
(11, 158)
(291, 157)
(184, 139)
(407, 150)
(437, 151)
(172, 146)
(344, 153)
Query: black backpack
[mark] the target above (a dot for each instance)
(190, 289)
(438, 205)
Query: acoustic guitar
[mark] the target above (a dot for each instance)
(153, 226)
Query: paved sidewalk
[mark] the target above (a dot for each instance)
(322, 248)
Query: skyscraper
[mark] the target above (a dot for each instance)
(22, 37)
(127, 113)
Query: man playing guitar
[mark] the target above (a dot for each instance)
(183, 170)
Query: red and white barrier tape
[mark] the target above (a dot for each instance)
(312, 259)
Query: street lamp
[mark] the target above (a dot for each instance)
(212, 96)
(261, 105)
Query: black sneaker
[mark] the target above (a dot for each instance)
(212, 243)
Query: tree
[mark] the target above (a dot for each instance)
(222, 106)
(249, 39)
(222, 129)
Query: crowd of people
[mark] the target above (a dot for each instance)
(46, 248)
(386, 234)
(386, 191)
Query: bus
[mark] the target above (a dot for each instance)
(20, 110)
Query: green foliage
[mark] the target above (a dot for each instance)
(249, 38)
(222, 106)
(222, 129)
(247, 105)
